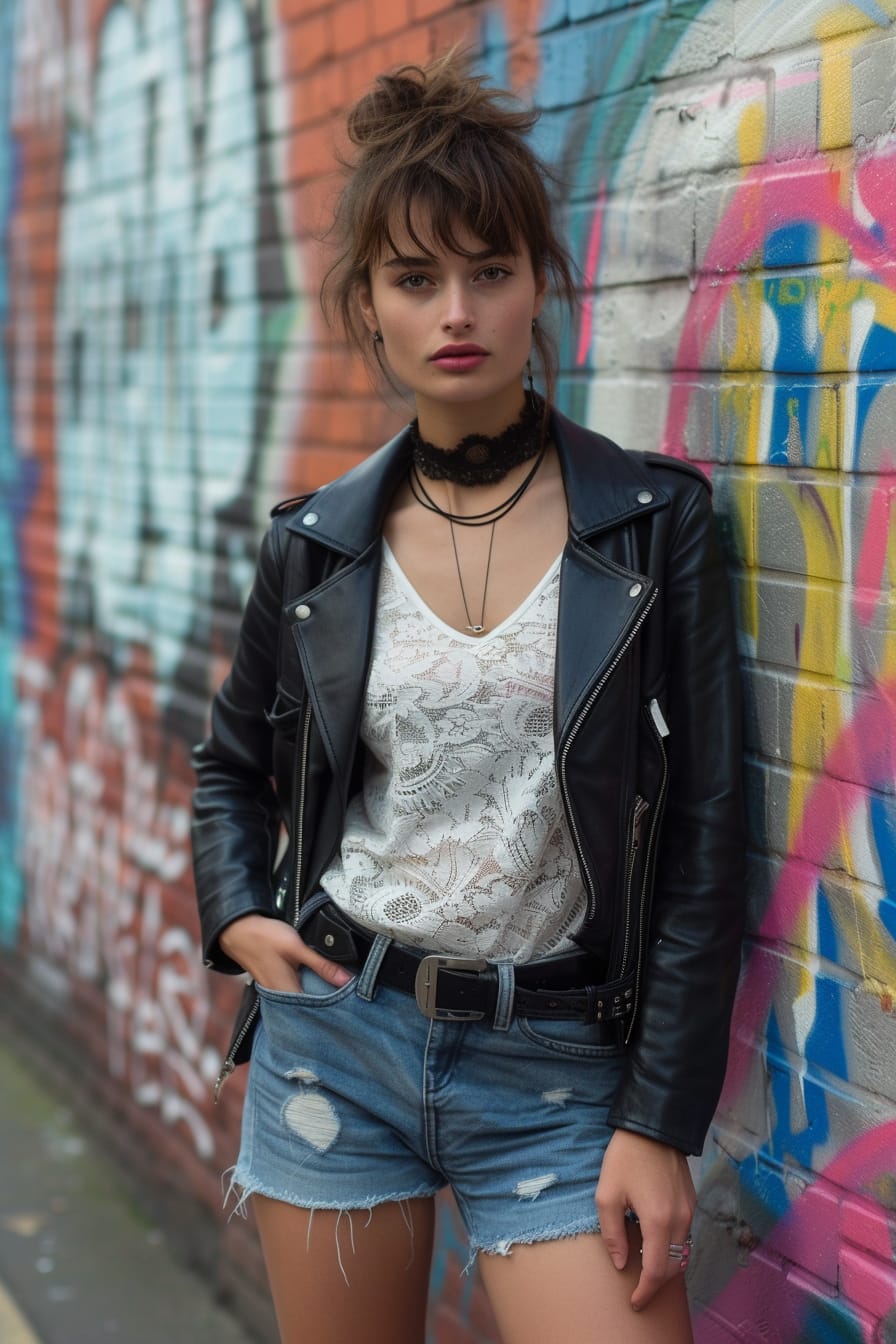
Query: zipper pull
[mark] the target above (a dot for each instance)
(641, 808)
(227, 1069)
(659, 722)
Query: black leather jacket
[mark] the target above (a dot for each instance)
(647, 738)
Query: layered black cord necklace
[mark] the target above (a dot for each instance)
(480, 459)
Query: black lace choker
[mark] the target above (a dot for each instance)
(480, 459)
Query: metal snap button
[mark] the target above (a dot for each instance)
(644, 496)
(302, 612)
(329, 940)
(635, 589)
(310, 519)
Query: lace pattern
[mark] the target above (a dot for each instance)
(458, 841)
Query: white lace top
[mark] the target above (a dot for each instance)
(458, 841)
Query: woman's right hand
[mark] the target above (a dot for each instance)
(273, 954)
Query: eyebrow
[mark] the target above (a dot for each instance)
(432, 261)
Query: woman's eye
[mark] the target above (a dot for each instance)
(413, 281)
(493, 272)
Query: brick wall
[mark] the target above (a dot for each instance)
(729, 186)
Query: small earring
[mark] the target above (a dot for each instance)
(529, 378)
(377, 337)
(533, 324)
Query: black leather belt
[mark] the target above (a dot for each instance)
(565, 987)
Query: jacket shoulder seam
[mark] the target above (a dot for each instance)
(662, 460)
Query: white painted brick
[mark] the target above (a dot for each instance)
(644, 237)
(874, 89)
(629, 409)
(761, 27)
(692, 130)
(764, 732)
(708, 37)
(795, 122)
(875, 449)
(639, 326)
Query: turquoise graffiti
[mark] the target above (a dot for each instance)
(169, 244)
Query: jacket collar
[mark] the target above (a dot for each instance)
(604, 487)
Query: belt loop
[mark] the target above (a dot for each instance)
(310, 907)
(366, 987)
(504, 1006)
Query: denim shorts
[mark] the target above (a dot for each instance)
(356, 1098)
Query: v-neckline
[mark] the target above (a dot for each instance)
(427, 611)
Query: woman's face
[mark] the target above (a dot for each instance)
(456, 330)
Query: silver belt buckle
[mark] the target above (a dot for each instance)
(426, 986)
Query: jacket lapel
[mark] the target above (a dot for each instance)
(601, 598)
(600, 603)
(332, 626)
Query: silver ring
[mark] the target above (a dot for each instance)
(681, 1251)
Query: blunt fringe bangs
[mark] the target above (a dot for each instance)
(437, 143)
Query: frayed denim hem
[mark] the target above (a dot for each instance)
(506, 1245)
(244, 1189)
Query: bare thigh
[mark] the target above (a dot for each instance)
(341, 1277)
(569, 1290)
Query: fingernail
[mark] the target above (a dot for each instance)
(343, 978)
(617, 1260)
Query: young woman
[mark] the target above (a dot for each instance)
(487, 682)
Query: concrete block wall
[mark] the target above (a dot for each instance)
(728, 182)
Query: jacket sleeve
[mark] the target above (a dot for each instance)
(236, 818)
(679, 1047)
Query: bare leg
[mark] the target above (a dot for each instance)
(339, 1277)
(569, 1290)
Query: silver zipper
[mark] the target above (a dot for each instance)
(228, 1066)
(661, 729)
(641, 808)
(300, 814)
(580, 718)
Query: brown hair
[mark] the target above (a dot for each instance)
(435, 136)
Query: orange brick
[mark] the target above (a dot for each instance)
(445, 33)
(307, 44)
(425, 9)
(390, 15)
(350, 23)
(311, 157)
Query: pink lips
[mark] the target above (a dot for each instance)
(459, 358)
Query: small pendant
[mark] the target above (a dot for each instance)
(476, 629)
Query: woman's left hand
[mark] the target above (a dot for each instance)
(654, 1181)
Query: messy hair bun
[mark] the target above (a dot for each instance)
(422, 109)
(440, 139)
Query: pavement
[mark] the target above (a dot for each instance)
(80, 1263)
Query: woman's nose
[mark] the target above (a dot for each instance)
(458, 311)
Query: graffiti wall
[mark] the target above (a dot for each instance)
(727, 174)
